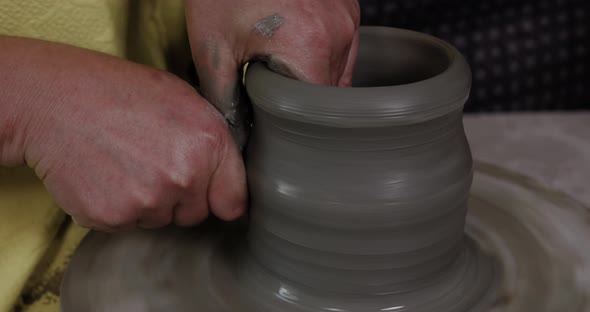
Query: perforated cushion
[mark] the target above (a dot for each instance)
(524, 54)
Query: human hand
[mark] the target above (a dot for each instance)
(311, 40)
(120, 145)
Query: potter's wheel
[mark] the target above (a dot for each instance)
(533, 234)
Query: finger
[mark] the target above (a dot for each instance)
(114, 226)
(219, 83)
(304, 57)
(314, 69)
(82, 222)
(192, 209)
(227, 194)
(110, 226)
(155, 218)
(346, 78)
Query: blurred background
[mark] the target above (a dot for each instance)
(526, 55)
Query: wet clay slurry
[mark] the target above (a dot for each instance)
(359, 203)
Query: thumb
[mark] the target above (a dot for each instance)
(220, 84)
(227, 195)
(305, 59)
(309, 69)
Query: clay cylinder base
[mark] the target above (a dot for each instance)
(518, 223)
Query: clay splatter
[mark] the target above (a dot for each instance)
(267, 26)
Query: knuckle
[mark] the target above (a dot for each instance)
(213, 142)
(317, 37)
(142, 201)
(349, 30)
(178, 172)
(179, 177)
(317, 32)
(117, 221)
(197, 217)
(145, 200)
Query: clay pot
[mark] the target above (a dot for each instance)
(362, 190)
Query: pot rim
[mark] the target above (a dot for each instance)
(379, 106)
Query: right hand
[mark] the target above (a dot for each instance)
(121, 145)
(311, 40)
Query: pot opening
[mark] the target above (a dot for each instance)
(398, 60)
(401, 77)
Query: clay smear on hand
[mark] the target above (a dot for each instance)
(267, 26)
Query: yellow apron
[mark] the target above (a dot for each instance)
(36, 237)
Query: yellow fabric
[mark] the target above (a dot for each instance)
(28, 223)
(36, 237)
(158, 36)
(99, 25)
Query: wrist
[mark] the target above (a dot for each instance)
(22, 86)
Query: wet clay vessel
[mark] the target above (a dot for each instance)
(360, 202)
(363, 191)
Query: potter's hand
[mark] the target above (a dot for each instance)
(117, 144)
(310, 40)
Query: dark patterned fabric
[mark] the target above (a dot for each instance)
(524, 54)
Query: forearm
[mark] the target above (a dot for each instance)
(30, 83)
(14, 100)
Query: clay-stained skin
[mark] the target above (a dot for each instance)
(267, 26)
(233, 104)
(235, 107)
